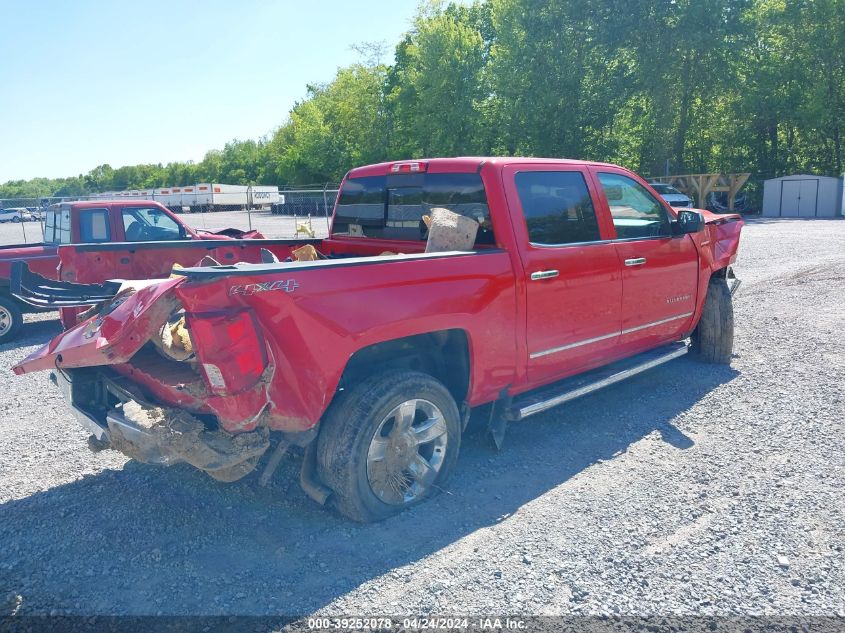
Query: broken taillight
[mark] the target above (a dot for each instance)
(230, 349)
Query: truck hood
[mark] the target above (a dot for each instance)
(719, 218)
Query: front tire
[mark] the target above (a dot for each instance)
(11, 319)
(713, 339)
(388, 443)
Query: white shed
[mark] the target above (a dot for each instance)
(802, 197)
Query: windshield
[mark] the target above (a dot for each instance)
(150, 224)
(392, 207)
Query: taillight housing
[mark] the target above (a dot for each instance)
(230, 348)
(410, 167)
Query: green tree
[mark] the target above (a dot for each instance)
(436, 89)
(339, 125)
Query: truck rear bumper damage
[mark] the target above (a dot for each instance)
(166, 436)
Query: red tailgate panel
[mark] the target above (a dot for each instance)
(110, 337)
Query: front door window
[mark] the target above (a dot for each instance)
(636, 213)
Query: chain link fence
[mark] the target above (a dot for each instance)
(298, 212)
(21, 220)
(306, 202)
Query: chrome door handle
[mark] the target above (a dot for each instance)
(637, 261)
(544, 274)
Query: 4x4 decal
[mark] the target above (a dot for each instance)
(287, 285)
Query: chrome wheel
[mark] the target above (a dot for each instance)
(5, 321)
(406, 452)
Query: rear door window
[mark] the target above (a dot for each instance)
(557, 207)
(94, 226)
(392, 207)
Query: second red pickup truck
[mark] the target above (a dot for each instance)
(93, 222)
(372, 356)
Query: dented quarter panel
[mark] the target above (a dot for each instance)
(339, 308)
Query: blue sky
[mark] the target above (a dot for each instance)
(91, 82)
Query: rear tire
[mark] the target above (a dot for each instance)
(388, 443)
(11, 319)
(713, 339)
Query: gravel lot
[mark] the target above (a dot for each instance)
(691, 489)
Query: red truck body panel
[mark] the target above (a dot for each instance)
(273, 340)
(44, 258)
(68, 262)
(41, 258)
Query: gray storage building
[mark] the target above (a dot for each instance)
(802, 197)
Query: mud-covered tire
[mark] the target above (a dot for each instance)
(11, 319)
(713, 339)
(348, 431)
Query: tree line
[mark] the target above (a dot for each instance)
(688, 86)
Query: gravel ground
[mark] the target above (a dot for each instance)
(691, 489)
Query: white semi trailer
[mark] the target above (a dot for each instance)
(202, 197)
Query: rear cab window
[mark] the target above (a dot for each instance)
(392, 207)
(57, 225)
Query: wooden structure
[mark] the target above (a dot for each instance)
(699, 186)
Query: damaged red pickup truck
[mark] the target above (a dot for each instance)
(574, 275)
(96, 222)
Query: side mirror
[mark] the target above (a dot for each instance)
(688, 221)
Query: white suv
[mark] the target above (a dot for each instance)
(17, 214)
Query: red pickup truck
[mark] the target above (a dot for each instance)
(372, 356)
(92, 223)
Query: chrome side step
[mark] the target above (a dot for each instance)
(577, 386)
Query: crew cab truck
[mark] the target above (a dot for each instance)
(373, 357)
(94, 222)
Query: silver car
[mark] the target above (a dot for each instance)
(671, 195)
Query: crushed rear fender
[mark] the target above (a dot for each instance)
(114, 333)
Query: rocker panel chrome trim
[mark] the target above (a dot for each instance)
(604, 337)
